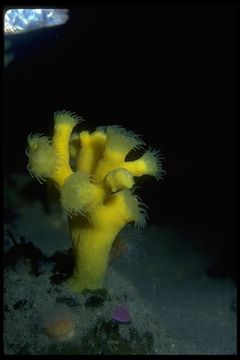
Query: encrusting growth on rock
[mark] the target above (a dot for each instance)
(95, 183)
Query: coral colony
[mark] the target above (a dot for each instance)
(95, 184)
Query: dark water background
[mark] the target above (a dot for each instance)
(167, 73)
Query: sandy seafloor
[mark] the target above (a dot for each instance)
(175, 307)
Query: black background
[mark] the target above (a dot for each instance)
(167, 73)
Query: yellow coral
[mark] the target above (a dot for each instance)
(95, 183)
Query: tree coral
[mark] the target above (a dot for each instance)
(95, 183)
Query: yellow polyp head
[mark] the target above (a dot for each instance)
(152, 159)
(136, 208)
(121, 140)
(79, 195)
(84, 137)
(42, 158)
(66, 118)
(119, 179)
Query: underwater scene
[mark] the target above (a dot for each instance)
(119, 181)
